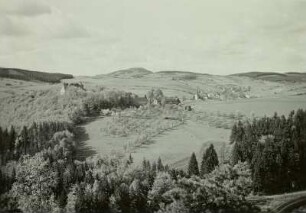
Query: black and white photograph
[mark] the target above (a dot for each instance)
(153, 106)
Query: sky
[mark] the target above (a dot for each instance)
(100, 36)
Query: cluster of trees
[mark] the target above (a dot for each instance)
(95, 102)
(29, 140)
(35, 169)
(51, 182)
(49, 105)
(155, 94)
(33, 75)
(209, 162)
(275, 147)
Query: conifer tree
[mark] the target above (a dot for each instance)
(12, 137)
(233, 134)
(209, 160)
(193, 168)
(1, 146)
(160, 166)
(154, 167)
(130, 160)
(24, 140)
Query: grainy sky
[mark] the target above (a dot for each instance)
(99, 36)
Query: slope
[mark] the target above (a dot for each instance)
(28, 75)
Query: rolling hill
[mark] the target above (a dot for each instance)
(28, 75)
(274, 76)
(136, 72)
(139, 72)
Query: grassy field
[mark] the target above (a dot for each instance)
(208, 123)
(254, 107)
(11, 87)
(132, 128)
(174, 146)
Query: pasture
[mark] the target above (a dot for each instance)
(209, 123)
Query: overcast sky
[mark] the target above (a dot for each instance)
(99, 36)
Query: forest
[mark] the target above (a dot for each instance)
(27, 75)
(53, 181)
(47, 105)
(275, 149)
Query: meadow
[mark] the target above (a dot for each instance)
(208, 123)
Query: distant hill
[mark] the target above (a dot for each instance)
(180, 75)
(28, 75)
(274, 76)
(174, 72)
(136, 72)
(139, 72)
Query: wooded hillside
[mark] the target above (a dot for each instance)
(27, 75)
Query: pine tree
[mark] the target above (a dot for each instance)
(154, 167)
(160, 166)
(209, 161)
(233, 134)
(130, 160)
(24, 140)
(5, 145)
(1, 147)
(12, 137)
(193, 168)
(257, 171)
(144, 164)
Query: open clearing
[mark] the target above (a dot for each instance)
(172, 146)
(176, 145)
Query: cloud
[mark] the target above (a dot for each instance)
(64, 28)
(11, 27)
(27, 8)
(210, 36)
(37, 19)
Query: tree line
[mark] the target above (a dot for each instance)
(27, 75)
(52, 180)
(275, 148)
(29, 140)
(60, 184)
(95, 102)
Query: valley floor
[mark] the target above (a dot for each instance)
(175, 146)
